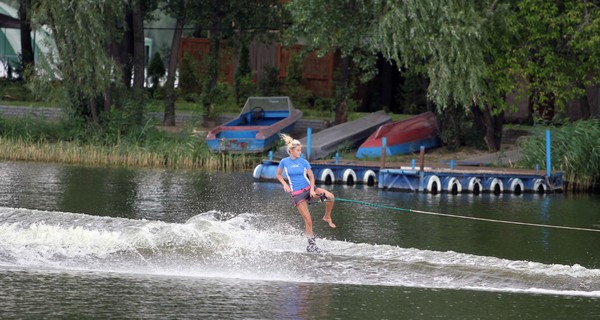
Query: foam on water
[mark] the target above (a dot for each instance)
(216, 244)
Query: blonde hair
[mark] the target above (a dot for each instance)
(290, 142)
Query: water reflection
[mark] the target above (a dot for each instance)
(164, 195)
(305, 301)
(20, 183)
(106, 192)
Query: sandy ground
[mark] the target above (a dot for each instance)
(507, 156)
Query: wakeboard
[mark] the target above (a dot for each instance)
(312, 247)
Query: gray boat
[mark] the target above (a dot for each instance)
(349, 134)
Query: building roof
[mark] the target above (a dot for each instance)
(9, 22)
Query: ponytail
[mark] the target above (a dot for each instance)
(289, 142)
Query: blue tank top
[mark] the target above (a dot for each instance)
(295, 171)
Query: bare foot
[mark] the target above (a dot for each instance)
(331, 224)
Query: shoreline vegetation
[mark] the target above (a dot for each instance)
(575, 149)
(74, 153)
(149, 146)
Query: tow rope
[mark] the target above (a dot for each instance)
(461, 217)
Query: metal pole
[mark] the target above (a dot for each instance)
(422, 158)
(548, 154)
(308, 142)
(383, 153)
(421, 168)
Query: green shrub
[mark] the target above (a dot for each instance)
(156, 71)
(269, 84)
(575, 152)
(246, 87)
(244, 80)
(189, 76)
(14, 91)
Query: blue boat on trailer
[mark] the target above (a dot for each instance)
(257, 127)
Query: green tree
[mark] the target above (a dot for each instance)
(26, 46)
(98, 56)
(238, 20)
(447, 37)
(189, 77)
(545, 51)
(80, 60)
(558, 51)
(156, 71)
(243, 72)
(337, 25)
(138, 56)
(269, 84)
(179, 9)
(472, 53)
(444, 40)
(126, 47)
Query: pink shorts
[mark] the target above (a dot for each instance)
(301, 195)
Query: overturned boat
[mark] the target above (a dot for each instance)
(403, 137)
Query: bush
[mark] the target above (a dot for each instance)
(156, 71)
(244, 81)
(269, 84)
(14, 90)
(189, 76)
(246, 87)
(31, 129)
(574, 151)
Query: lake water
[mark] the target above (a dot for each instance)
(82, 242)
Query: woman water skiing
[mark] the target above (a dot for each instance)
(301, 184)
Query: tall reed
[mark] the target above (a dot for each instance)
(74, 153)
(575, 151)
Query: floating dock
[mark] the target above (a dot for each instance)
(449, 179)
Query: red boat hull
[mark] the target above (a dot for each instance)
(403, 136)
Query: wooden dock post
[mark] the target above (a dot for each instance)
(422, 158)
